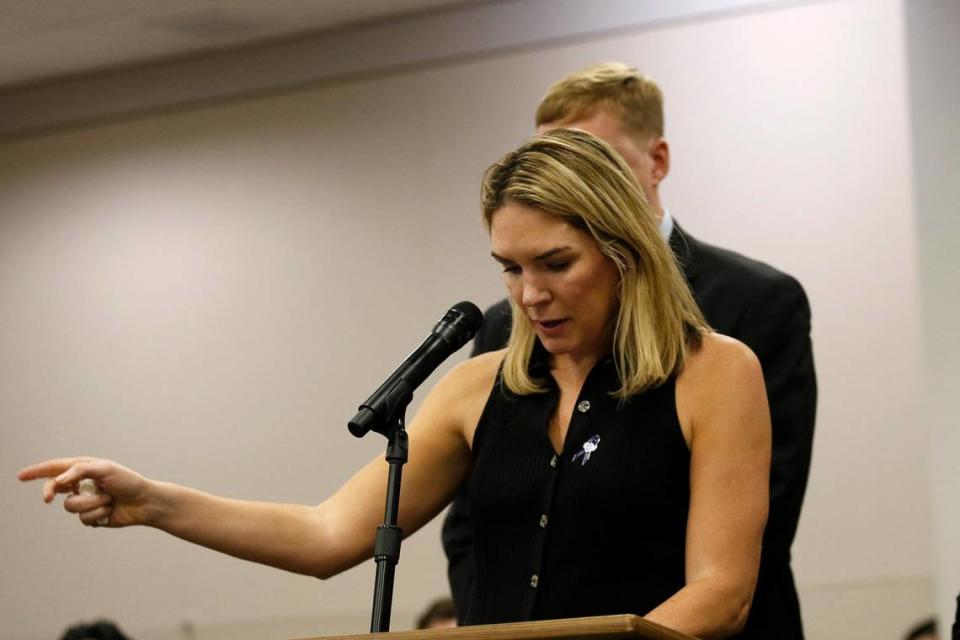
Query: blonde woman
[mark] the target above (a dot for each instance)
(617, 451)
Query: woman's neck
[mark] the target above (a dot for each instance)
(573, 368)
(576, 365)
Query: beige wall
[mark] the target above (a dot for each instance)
(207, 294)
(933, 52)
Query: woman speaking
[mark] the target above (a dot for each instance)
(617, 451)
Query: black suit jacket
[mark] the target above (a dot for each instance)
(955, 634)
(768, 311)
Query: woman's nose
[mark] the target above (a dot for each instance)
(534, 293)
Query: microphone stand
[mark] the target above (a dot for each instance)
(386, 550)
(387, 547)
(384, 413)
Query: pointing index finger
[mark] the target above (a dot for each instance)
(46, 469)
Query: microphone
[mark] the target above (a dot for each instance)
(457, 326)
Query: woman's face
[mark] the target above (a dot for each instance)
(558, 276)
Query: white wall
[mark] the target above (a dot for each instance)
(207, 294)
(933, 52)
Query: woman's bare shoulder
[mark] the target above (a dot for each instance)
(462, 394)
(716, 379)
(718, 357)
(473, 377)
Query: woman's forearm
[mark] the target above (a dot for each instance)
(705, 610)
(287, 536)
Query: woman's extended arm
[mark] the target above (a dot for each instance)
(319, 540)
(722, 400)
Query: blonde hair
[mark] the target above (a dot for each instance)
(579, 178)
(621, 90)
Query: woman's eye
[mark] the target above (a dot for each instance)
(511, 269)
(558, 266)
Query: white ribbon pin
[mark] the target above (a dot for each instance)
(588, 447)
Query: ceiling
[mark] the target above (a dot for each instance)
(47, 40)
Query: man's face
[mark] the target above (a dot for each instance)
(442, 623)
(648, 159)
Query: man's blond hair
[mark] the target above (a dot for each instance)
(613, 86)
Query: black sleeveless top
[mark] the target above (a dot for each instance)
(599, 528)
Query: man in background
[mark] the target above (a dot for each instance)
(740, 297)
(99, 630)
(925, 630)
(440, 614)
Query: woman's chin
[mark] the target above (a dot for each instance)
(555, 346)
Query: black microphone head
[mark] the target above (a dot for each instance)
(460, 323)
(472, 316)
(457, 326)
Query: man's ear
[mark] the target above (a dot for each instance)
(659, 151)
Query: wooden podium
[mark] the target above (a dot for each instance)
(597, 628)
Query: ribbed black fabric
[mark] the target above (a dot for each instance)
(560, 536)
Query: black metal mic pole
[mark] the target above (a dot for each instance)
(387, 547)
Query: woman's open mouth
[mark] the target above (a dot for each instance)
(551, 327)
